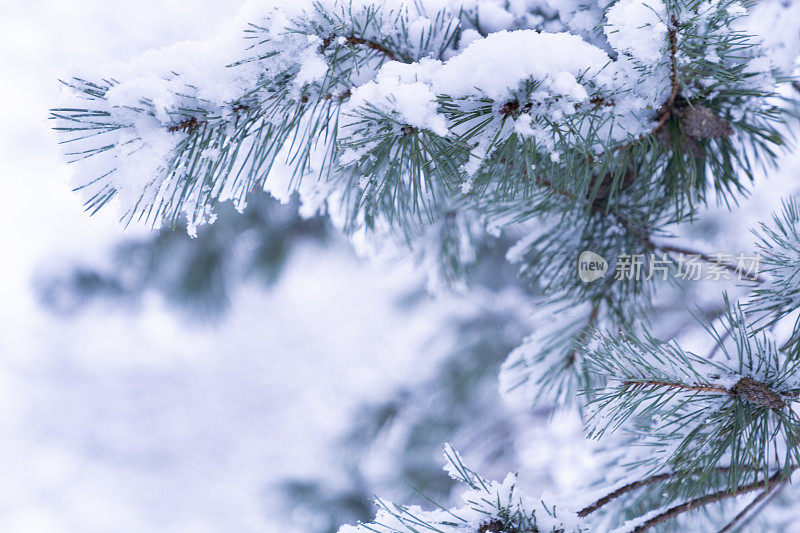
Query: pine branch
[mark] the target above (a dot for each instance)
(670, 385)
(672, 398)
(191, 124)
(382, 104)
(666, 248)
(779, 243)
(499, 506)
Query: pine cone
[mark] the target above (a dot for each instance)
(700, 122)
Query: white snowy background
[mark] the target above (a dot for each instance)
(122, 421)
(142, 421)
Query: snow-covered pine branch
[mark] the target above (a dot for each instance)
(696, 415)
(488, 507)
(401, 107)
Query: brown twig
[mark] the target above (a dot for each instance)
(630, 487)
(654, 383)
(188, 125)
(746, 388)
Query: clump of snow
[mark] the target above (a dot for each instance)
(404, 92)
(638, 28)
(496, 66)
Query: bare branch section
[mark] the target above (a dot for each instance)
(672, 512)
(630, 487)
